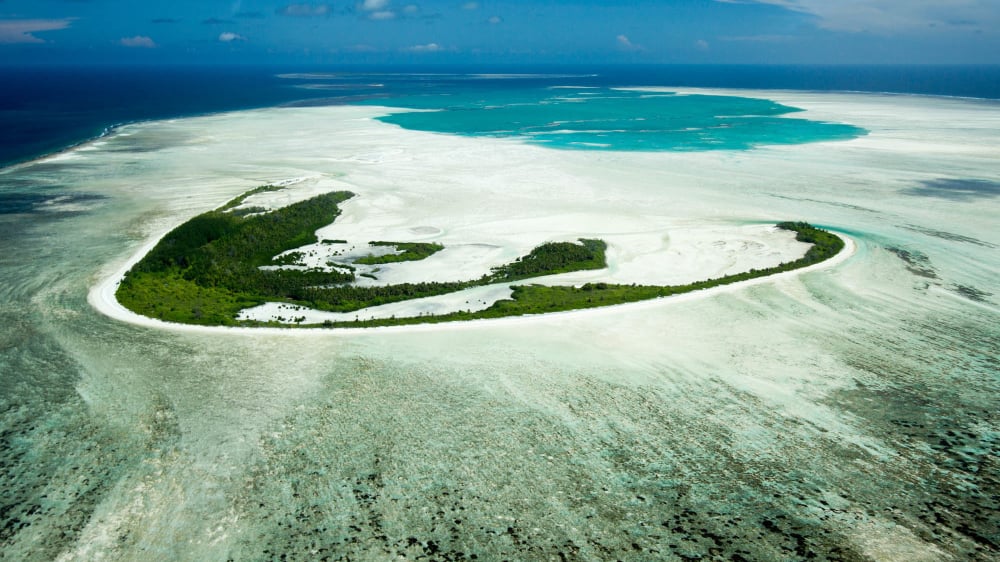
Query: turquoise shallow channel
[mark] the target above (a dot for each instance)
(608, 119)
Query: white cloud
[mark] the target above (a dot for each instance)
(892, 16)
(305, 10)
(495, 20)
(20, 31)
(229, 37)
(140, 41)
(701, 44)
(411, 9)
(377, 10)
(625, 44)
(428, 48)
(470, 6)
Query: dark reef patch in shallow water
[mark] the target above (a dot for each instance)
(956, 189)
(143, 142)
(24, 203)
(609, 493)
(916, 262)
(830, 203)
(972, 293)
(17, 203)
(948, 236)
(58, 461)
(933, 387)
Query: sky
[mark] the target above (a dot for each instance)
(500, 32)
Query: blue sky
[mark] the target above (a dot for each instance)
(501, 31)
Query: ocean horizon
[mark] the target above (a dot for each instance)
(46, 109)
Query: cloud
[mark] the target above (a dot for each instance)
(249, 15)
(701, 45)
(20, 31)
(627, 45)
(229, 37)
(139, 41)
(216, 21)
(494, 20)
(428, 48)
(892, 16)
(411, 9)
(470, 6)
(377, 10)
(305, 10)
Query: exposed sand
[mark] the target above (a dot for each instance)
(654, 258)
(102, 297)
(489, 201)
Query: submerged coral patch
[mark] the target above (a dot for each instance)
(956, 189)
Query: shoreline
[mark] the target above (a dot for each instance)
(110, 130)
(755, 92)
(114, 128)
(102, 295)
(107, 132)
(102, 298)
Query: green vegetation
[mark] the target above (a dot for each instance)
(291, 258)
(208, 269)
(411, 251)
(540, 299)
(825, 244)
(168, 296)
(552, 258)
(239, 200)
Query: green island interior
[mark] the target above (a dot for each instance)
(210, 268)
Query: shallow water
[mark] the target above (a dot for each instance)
(607, 119)
(849, 413)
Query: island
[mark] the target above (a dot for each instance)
(210, 268)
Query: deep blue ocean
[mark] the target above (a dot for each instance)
(46, 109)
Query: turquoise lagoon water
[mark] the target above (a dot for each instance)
(609, 119)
